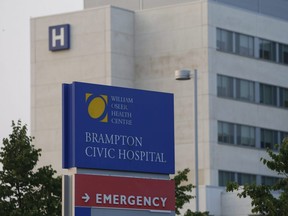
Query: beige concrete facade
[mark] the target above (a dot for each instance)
(142, 49)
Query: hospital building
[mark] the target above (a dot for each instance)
(239, 49)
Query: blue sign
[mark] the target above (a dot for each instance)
(82, 211)
(59, 37)
(115, 128)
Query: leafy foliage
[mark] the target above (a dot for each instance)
(24, 191)
(181, 191)
(190, 213)
(263, 197)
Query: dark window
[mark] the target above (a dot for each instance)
(245, 90)
(245, 135)
(225, 86)
(246, 179)
(226, 177)
(283, 97)
(244, 45)
(283, 135)
(283, 53)
(224, 40)
(268, 180)
(268, 138)
(268, 94)
(267, 50)
(225, 132)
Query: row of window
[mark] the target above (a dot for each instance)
(251, 91)
(244, 178)
(246, 45)
(243, 135)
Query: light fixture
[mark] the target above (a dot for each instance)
(185, 74)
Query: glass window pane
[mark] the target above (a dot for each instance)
(224, 40)
(268, 94)
(267, 50)
(224, 86)
(283, 135)
(246, 179)
(284, 97)
(268, 180)
(225, 132)
(244, 45)
(245, 135)
(268, 138)
(226, 177)
(283, 53)
(245, 90)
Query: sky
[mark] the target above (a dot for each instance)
(15, 55)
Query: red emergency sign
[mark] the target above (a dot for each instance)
(124, 192)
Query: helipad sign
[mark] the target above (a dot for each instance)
(59, 37)
(115, 128)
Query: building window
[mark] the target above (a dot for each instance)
(246, 179)
(268, 138)
(283, 135)
(283, 97)
(268, 94)
(225, 86)
(224, 40)
(283, 53)
(226, 177)
(245, 90)
(245, 135)
(230, 133)
(244, 45)
(250, 91)
(268, 180)
(225, 132)
(267, 50)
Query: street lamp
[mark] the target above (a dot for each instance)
(185, 74)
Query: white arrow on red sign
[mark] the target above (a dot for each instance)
(86, 197)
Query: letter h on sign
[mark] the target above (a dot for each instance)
(59, 37)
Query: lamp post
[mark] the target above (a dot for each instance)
(186, 75)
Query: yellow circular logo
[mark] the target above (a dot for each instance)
(97, 107)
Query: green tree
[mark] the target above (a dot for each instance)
(181, 190)
(23, 189)
(269, 199)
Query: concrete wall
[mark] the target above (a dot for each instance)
(275, 8)
(133, 4)
(167, 39)
(232, 204)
